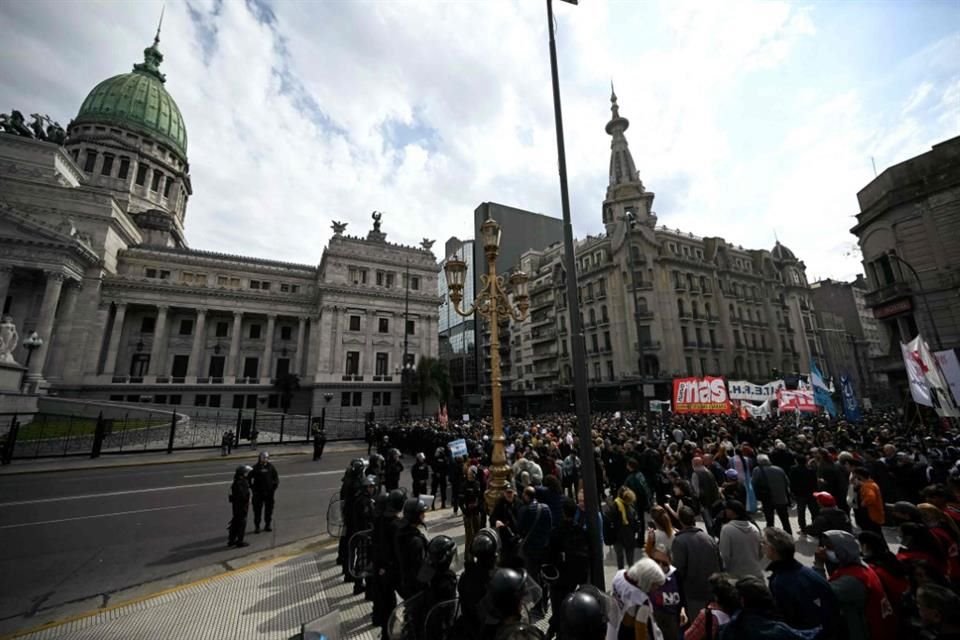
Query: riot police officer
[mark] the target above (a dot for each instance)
(264, 481)
(385, 563)
(410, 547)
(440, 585)
(439, 484)
(480, 565)
(375, 468)
(319, 440)
(240, 501)
(583, 615)
(393, 469)
(350, 487)
(420, 473)
(359, 517)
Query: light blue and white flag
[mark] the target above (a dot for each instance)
(821, 392)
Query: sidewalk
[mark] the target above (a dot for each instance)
(108, 461)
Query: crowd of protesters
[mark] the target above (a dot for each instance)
(684, 500)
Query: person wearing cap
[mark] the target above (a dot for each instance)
(829, 516)
(264, 481)
(732, 489)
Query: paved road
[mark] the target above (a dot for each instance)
(70, 536)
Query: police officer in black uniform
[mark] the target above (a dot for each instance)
(583, 615)
(359, 517)
(240, 501)
(439, 484)
(392, 470)
(264, 481)
(440, 585)
(411, 547)
(385, 561)
(480, 565)
(319, 440)
(420, 472)
(350, 487)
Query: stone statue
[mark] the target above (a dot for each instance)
(55, 133)
(338, 227)
(37, 126)
(376, 215)
(427, 244)
(16, 124)
(8, 340)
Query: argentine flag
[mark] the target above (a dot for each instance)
(821, 392)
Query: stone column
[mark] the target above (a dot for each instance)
(113, 348)
(48, 309)
(64, 328)
(234, 344)
(265, 362)
(199, 339)
(6, 275)
(298, 358)
(159, 349)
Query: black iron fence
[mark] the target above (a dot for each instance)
(141, 429)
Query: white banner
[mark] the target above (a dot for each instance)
(927, 385)
(764, 410)
(746, 390)
(950, 367)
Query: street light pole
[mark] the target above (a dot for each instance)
(923, 296)
(582, 399)
(490, 303)
(32, 343)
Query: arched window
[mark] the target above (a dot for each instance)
(680, 307)
(695, 307)
(603, 314)
(706, 309)
(593, 317)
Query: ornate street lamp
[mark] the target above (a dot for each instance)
(32, 343)
(490, 304)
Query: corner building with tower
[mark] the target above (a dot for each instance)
(94, 259)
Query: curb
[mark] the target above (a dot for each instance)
(150, 463)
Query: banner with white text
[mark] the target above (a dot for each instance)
(746, 390)
(700, 395)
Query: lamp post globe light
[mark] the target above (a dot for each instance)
(32, 343)
(491, 303)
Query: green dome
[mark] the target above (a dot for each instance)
(139, 102)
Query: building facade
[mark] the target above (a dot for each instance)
(908, 229)
(659, 303)
(94, 258)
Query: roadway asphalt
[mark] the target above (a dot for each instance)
(71, 536)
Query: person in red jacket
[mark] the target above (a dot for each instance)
(917, 544)
(945, 530)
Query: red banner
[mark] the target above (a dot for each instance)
(800, 400)
(700, 395)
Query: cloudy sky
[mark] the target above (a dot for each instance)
(747, 119)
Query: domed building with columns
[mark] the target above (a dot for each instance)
(94, 259)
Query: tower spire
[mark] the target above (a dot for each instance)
(156, 38)
(622, 168)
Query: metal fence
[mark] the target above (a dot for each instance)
(141, 429)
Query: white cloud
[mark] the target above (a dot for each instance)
(423, 110)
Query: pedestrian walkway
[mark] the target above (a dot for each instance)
(242, 453)
(265, 601)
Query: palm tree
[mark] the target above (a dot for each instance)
(433, 381)
(287, 385)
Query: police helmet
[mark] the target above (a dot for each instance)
(376, 459)
(244, 469)
(506, 590)
(485, 546)
(369, 481)
(356, 465)
(440, 551)
(583, 615)
(413, 508)
(394, 453)
(379, 505)
(421, 457)
(395, 500)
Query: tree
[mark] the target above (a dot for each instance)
(287, 385)
(433, 381)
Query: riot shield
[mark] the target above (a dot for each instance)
(335, 517)
(399, 626)
(440, 619)
(360, 549)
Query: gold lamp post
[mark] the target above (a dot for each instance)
(491, 303)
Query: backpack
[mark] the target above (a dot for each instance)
(609, 518)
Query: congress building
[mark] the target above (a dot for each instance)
(94, 259)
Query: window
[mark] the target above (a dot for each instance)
(251, 367)
(164, 274)
(273, 401)
(214, 400)
(147, 325)
(596, 371)
(90, 161)
(294, 288)
(179, 367)
(353, 363)
(689, 362)
(713, 337)
(254, 284)
(166, 187)
(139, 365)
(376, 398)
(603, 314)
(593, 343)
(683, 334)
(610, 375)
(602, 286)
(264, 285)
(382, 365)
(222, 329)
(354, 323)
(107, 167)
(606, 341)
(383, 325)
(186, 327)
(411, 327)
(357, 398)
(124, 167)
(386, 398)
(286, 332)
(345, 399)
(415, 283)
(141, 174)
(216, 366)
(76, 156)
(283, 367)
(150, 273)
(238, 402)
(255, 332)
(155, 183)
(358, 276)
(289, 288)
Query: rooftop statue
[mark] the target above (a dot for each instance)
(338, 227)
(15, 124)
(427, 244)
(376, 215)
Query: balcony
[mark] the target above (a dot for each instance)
(713, 319)
(543, 336)
(689, 344)
(707, 292)
(887, 293)
(716, 346)
(641, 286)
(680, 286)
(545, 320)
(544, 355)
(648, 345)
(686, 315)
(645, 314)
